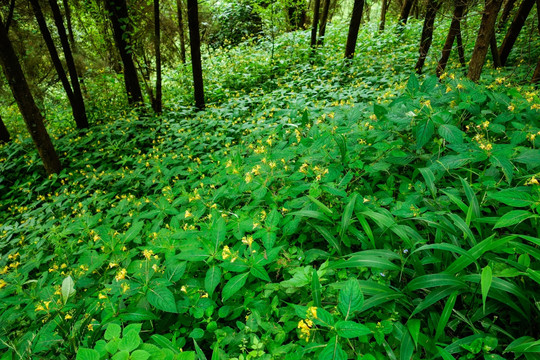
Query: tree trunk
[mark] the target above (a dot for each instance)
(324, 20)
(494, 51)
(384, 9)
(10, 14)
(460, 47)
(4, 133)
(427, 33)
(484, 36)
(316, 10)
(405, 11)
(514, 30)
(195, 45)
(536, 76)
(67, 11)
(506, 13)
(79, 111)
(118, 14)
(452, 33)
(30, 112)
(181, 31)
(354, 26)
(158, 103)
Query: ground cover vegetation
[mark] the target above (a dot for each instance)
(316, 208)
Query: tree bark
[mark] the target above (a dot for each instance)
(181, 32)
(67, 11)
(316, 10)
(195, 45)
(508, 6)
(118, 14)
(405, 11)
(460, 47)
(324, 20)
(514, 30)
(452, 33)
(158, 103)
(79, 111)
(30, 112)
(487, 25)
(427, 33)
(494, 51)
(354, 26)
(536, 76)
(10, 14)
(4, 133)
(384, 10)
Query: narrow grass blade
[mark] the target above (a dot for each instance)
(445, 316)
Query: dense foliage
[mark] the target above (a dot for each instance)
(317, 209)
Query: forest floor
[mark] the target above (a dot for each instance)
(317, 208)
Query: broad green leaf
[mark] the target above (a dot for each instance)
(161, 298)
(367, 229)
(346, 217)
(424, 132)
(187, 355)
(121, 355)
(434, 280)
(196, 333)
(164, 343)
(406, 348)
(311, 214)
(87, 354)
(328, 236)
(413, 85)
(333, 351)
(529, 157)
(485, 282)
(113, 331)
(316, 288)
(377, 263)
(259, 272)
(414, 328)
(513, 217)
(68, 288)
(534, 275)
(219, 232)
(445, 315)
(351, 329)
(451, 133)
(139, 355)
(212, 279)
(233, 285)
(130, 341)
(430, 180)
(133, 232)
(350, 298)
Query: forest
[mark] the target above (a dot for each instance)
(270, 179)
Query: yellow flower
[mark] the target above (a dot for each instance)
(183, 289)
(305, 328)
(2, 283)
(312, 310)
(102, 296)
(155, 267)
(39, 307)
(147, 254)
(90, 327)
(125, 287)
(187, 214)
(247, 240)
(67, 317)
(120, 275)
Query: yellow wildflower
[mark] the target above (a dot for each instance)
(3, 283)
(187, 214)
(147, 254)
(121, 275)
(312, 310)
(247, 240)
(102, 296)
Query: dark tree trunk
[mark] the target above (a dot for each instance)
(514, 30)
(195, 45)
(460, 47)
(4, 133)
(484, 36)
(494, 51)
(316, 10)
(119, 17)
(455, 29)
(506, 13)
(536, 76)
(354, 26)
(181, 31)
(30, 112)
(405, 11)
(427, 33)
(67, 11)
(79, 111)
(416, 10)
(324, 20)
(10, 14)
(384, 9)
(157, 44)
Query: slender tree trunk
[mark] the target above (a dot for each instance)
(10, 14)
(157, 44)
(367, 12)
(494, 51)
(452, 33)
(514, 30)
(427, 33)
(67, 11)
(181, 31)
(460, 47)
(384, 9)
(79, 111)
(484, 36)
(536, 76)
(195, 45)
(354, 26)
(416, 10)
(4, 133)
(324, 20)
(30, 112)
(405, 11)
(316, 10)
(508, 6)
(118, 14)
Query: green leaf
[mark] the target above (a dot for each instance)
(430, 180)
(140, 355)
(312, 214)
(513, 217)
(350, 298)
(445, 315)
(121, 355)
(113, 331)
(434, 280)
(133, 231)
(130, 341)
(188, 355)
(424, 132)
(485, 282)
(196, 333)
(351, 329)
(406, 348)
(259, 272)
(328, 236)
(218, 233)
(164, 343)
(233, 285)
(198, 350)
(346, 217)
(367, 229)
(87, 354)
(162, 299)
(316, 288)
(529, 157)
(473, 201)
(212, 279)
(375, 262)
(68, 288)
(414, 328)
(451, 133)
(333, 351)
(412, 84)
